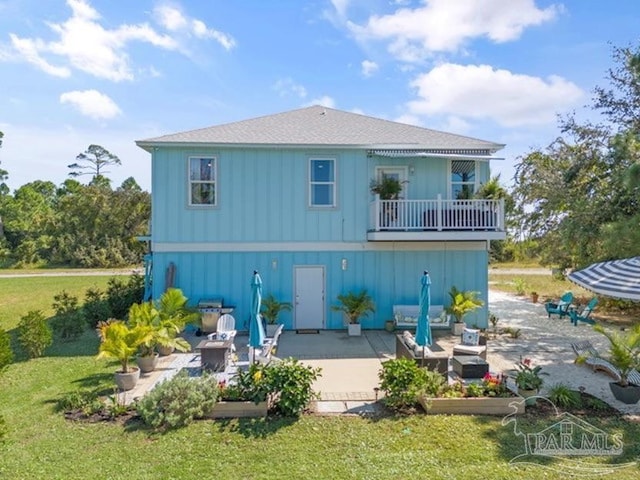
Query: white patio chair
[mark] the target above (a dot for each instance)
(226, 329)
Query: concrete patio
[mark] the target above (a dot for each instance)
(350, 365)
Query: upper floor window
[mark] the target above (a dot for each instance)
(463, 179)
(322, 182)
(202, 181)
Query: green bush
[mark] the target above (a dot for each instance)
(121, 295)
(85, 401)
(6, 353)
(96, 307)
(291, 383)
(562, 396)
(68, 322)
(3, 430)
(402, 381)
(178, 401)
(252, 385)
(34, 333)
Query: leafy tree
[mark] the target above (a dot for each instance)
(28, 219)
(580, 196)
(93, 161)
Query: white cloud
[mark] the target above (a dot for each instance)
(91, 103)
(28, 49)
(445, 25)
(286, 86)
(170, 18)
(369, 68)
(84, 44)
(325, 101)
(482, 92)
(174, 20)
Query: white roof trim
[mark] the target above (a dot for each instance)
(428, 153)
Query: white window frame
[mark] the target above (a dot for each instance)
(214, 182)
(333, 183)
(475, 178)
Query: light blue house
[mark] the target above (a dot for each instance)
(289, 195)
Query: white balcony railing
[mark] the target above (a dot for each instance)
(437, 215)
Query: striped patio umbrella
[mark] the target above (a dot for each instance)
(615, 278)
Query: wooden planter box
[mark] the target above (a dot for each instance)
(238, 410)
(473, 406)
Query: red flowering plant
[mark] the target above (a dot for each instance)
(491, 386)
(528, 376)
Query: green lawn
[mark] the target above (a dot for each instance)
(41, 444)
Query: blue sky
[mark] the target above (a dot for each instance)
(81, 72)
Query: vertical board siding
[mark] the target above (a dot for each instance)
(263, 195)
(391, 277)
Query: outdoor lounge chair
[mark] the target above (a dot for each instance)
(560, 308)
(585, 314)
(586, 351)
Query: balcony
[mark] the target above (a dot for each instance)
(436, 220)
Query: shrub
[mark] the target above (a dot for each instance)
(178, 401)
(520, 286)
(34, 333)
(252, 385)
(121, 295)
(84, 401)
(291, 383)
(3, 430)
(6, 353)
(402, 381)
(562, 396)
(96, 307)
(68, 322)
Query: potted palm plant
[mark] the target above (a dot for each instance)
(624, 354)
(270, 310)
(166, 319)
(354, 306)
(120, 341)
(462, 302)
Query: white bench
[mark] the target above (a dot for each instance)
(406, 316)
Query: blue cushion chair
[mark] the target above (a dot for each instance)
(560, 308)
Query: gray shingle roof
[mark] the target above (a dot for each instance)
(322, 126)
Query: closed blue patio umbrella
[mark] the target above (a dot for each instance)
(423, 330)
(256, 331)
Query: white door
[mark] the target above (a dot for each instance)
(309, 297)
(397, 173)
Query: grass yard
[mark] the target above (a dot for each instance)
(41, 444)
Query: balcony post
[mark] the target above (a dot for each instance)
(439, 212)
(377, 212)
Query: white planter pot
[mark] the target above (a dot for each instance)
(355, 329)
(458, 328)
(271, 329)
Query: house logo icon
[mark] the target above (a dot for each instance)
(568, 444)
